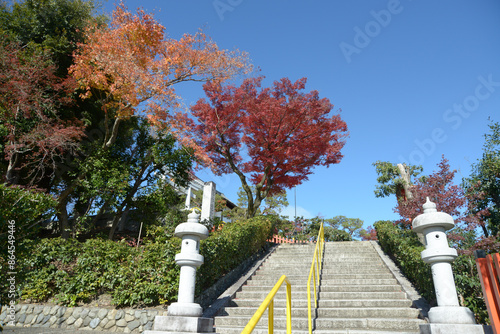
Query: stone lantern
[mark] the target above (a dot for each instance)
(189, 259)
(184, 316)
(432, 225)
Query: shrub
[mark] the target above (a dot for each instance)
(73, 272)
(28, 208)
(405, 248)
(469, 288)
(224, 250)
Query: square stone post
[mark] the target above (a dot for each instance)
(208, 203)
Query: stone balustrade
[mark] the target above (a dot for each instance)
(82, 318)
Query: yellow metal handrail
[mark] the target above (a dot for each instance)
(269, 303)
(316, 266)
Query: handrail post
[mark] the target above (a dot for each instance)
(288, 309)
(268, 304)
(270, 317)
(315, 274)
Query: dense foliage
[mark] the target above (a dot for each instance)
(405, 248)
(85, 108)
(484, 181)
(70, 272)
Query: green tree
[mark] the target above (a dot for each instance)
(273, 203)
(483, 185)
(395, 179)
(114, 180)
(28, 209)
(352, 226)
(53, 25)
(332, 229)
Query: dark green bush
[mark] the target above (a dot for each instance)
(224, 250)
(405, 248)
(469, 288)
(70, 272)
(22, 212)
(333, 234)
(73, 272)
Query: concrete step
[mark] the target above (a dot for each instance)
(386, 312)
(231, 330)
(358, 294)
(302, 279)
(344, 303)
(326, 274)
(386, 281)
(387, 324)
(332, 288)
(324, 295)
(330, 269)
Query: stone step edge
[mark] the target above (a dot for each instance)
(418, 301)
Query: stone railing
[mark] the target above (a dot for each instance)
(81, 318)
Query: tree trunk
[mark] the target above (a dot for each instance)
(62, 216)
(138, 180)
(405, 176)
(115, 222)
(62, 208)
(10, 178)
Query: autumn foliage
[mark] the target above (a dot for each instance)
(36, 134)
(440, 189)
(270, 137)
(132, 61)
(449, 198)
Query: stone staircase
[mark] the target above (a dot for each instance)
(358, 293)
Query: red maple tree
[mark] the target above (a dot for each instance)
(449, 198)
(369, 234)
(270, 137)
(36, 136)
(440, 189)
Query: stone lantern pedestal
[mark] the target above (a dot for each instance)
(448, 316)
(184, 316)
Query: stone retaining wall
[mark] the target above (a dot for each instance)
(91, 318)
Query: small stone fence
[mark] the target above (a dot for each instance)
(81, 318)
(276, 239)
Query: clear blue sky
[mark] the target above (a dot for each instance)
(414, 79)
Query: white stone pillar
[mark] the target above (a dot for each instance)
(189, 259)
(439, 255)
(208, 203)
(188, 198)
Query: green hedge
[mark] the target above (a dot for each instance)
(405, 248)
(70, 272)
(224, 250)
